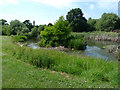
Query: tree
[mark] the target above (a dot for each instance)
(28, 24)
(34, 32)
(117, 26)
(6, 30)
(16, 27)
(77, 22)
(107, 22)
(41, 28)
(4, 22)
(50, 24)
(92, 24)
(55, 35)
(61, 29)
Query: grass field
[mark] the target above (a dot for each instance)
(19, 74)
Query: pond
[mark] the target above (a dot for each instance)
(96, 49)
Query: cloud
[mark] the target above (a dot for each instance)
(69, 3)
(55, 3)
(95, 0)
(4, 2)
(107, 5)
(91, 6)
(1, 2)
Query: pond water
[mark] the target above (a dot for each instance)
(96, 49)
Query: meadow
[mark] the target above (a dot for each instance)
(37, 68)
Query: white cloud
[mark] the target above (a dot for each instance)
(4, 2)
(91, 6)
(1, 2)
(95, 0)
(12, 1)
(68, 3)
(56, 3)
(107, 5)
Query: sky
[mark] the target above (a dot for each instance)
(48, 11)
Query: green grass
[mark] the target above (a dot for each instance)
(84, 71)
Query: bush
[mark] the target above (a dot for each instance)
(34, 32)
(55, 35)
(20, 38)
(77, 44)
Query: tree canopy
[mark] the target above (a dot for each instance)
(4, 22)
(92, 24)
(55, 35)
(77, 22)
(28, 24)
(16, 27)
(107, 22)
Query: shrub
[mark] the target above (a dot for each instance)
(55, 35)
(77, 44)
(20, 38)
(34, 32)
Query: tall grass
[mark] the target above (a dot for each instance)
(60, 61)
(77, 41)
(103, 36)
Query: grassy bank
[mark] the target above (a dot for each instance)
(96, 71)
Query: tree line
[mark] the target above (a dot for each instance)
(75, 20)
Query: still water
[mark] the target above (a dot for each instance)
(96, 49)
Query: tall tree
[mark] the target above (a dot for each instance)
(41, 28)
(77, 22)
(4, 22)
(28, 24)
(16, 27)
(92, 24)
(50, 24)
(108, 22)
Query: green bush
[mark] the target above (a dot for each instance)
(55, 35)
(77, 44)
(20, 38)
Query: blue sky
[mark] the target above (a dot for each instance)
(48, 11)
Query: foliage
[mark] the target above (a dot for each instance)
(77, 44)
(48, 37)
(28, 24)
(92, 24)
(34, 32)
(6, 30)
(41, 28)
(16, 27)
(50, 24)
(107, 22)
(77, 22)
(55, 35)
(20, 38)
(4, 22)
